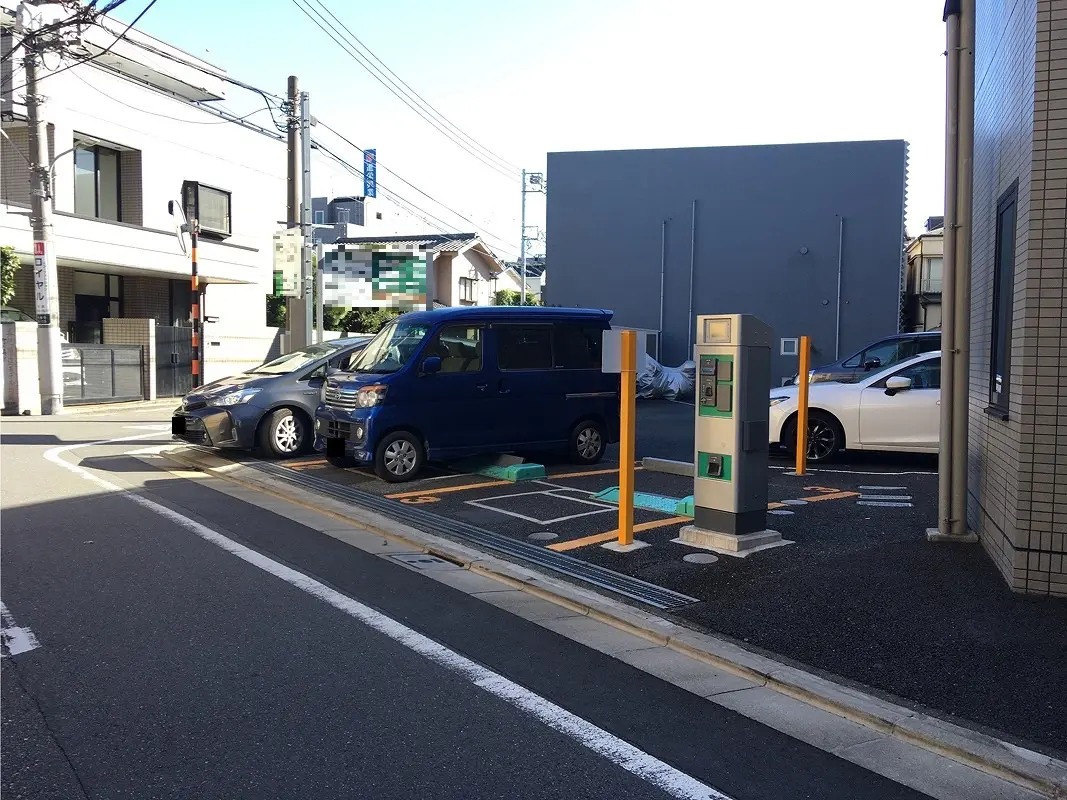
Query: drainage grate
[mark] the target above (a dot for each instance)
(643, 592)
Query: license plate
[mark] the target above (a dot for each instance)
(177, 426)
(335, 448)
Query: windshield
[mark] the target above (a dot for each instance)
(391, 348)
(295, 360)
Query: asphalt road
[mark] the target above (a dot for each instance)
(168, 666)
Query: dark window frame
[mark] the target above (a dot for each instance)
(191, 206)
(497, 327)
(880, 383)
(95, 149)
(1003, 305)
(584, 327)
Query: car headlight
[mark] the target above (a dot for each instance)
(234, 398)
(776, 400)
(370, 396)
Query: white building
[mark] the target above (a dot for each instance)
(129, 132)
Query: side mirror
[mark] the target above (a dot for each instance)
(896, 384)
(872, 364)
(431, 364)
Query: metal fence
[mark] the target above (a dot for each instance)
(102, 373)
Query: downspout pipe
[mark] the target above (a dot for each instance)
(948, 289)
(692, 275)
(662, 287)
(840, 269)
(962, 255)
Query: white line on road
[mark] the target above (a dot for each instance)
(885, 497)
(15, 640)
(885, 488)
(610, 747)
(883, 505)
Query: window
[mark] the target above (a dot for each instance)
(1003, 296)
(577, 346)
(924, 375)
(466, 290)
(209, 206)
(927, 344)
(524, 346)
(320, 217)
(96, 182)
(790, 347)
(931, 278)
(459, 347)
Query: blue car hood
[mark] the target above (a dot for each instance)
(352, 380)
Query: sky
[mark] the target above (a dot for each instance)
(527, 79)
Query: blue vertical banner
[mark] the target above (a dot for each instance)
(370, 173)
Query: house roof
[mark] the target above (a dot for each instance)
(435, 243)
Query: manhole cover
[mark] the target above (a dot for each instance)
(700, 558)
(795, 502)
(781, 512)
(541, 536)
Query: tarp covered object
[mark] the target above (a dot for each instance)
(669, 383)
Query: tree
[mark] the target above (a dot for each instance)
(367, 320)
(276, 311)
(9, 265)
(510, 297)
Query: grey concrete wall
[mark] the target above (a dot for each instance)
(757, 208)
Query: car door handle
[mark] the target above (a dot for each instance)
(481, 387)
(502, 390)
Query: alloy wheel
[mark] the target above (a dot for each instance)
(822, 439)
(288, 435)
(589, 442)
(400, 457)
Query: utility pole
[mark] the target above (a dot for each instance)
(197, 310)
(536, 179)
(307, 268)
(45, 278)
(296, 309)
(522, 243)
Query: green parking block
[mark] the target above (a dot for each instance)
(684, 507)
(645, 500)
(509, 472)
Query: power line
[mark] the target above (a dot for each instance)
(360, 59)
(106, 50)
(411, 92)
(85, 15)
(413, 186)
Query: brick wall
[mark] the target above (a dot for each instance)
(1018, 467)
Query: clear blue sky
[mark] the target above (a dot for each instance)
(527, 79)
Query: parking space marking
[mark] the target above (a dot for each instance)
(817, 498)
(601, 508)
(885, 488)
(15, 639)
(562, 488)
(885, 497)
(299, 465)
(600, 538)
(449, 489)
(883, 504)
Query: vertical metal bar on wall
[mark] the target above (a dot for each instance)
(194, 298)
(692, 276)
(840, 267)
(662, 287)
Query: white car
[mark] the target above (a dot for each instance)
(898, 409)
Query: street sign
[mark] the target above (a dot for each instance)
(287, 262)
(370, 173)
(40, 284)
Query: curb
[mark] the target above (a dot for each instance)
(1020, 766)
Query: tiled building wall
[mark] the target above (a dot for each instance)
(146, 298)
(14, 171)
(1018, 466)
(24, 301)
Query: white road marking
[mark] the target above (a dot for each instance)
(563, 488)
(883, 505)
(886, 488)
(885, 497)
(542, 521)
(158, 428)
(15, 640)
(645, 766)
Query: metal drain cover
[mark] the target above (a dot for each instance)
(541, 536)
(423, 561)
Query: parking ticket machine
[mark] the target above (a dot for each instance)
(733, 357)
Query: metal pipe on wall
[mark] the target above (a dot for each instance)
(692, 274)
(948, 297)
(840, 266)
(662, 287)
(962, 288)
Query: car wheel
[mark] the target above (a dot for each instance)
(825, 437)
(398, 457)
(587, 442)
(283, 434)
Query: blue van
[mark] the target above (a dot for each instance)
(454, 382)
